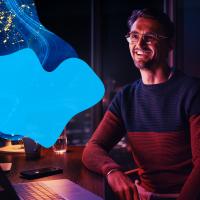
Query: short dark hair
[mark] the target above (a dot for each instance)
(157, 15)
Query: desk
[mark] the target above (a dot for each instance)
(73, 168)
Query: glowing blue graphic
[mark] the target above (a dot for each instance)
(42, 82)
(20, 28)
(37, 103)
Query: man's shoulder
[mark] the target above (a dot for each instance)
(128, 88)
(125, 93)
(123, 97)
(188, 78)
(189, 81)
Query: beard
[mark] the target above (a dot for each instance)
(144, 65)
(146, 60)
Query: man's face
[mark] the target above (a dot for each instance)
(147, 53)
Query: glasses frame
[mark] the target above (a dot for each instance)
(154, 35)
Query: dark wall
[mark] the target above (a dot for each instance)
(191, 34)
(70, 20)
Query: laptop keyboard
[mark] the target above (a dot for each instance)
(37, 191)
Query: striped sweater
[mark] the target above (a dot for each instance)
(162, 122)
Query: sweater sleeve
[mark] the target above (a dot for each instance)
(109, 132)
(190, 189)
(95, 155)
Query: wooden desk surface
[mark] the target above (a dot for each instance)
(70, 161)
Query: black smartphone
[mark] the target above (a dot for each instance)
(41, 172)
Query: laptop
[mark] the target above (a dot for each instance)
(62, 189)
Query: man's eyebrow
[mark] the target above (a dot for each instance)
(149, 32)
(135, 32)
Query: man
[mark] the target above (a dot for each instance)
(161, 115)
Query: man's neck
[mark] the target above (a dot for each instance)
(155, 76)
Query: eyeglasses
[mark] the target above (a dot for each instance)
(149, 38)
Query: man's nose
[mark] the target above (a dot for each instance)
(140, 43)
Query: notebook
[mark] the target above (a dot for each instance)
(62, 189)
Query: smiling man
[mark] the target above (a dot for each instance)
(160, 113)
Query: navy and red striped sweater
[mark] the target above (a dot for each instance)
(163, 126)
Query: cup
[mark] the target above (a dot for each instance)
(32, 148)
(6, 166)
(60, 146)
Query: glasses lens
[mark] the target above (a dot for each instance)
(134, 37)
(149, 38)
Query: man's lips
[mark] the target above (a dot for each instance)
(141, 52)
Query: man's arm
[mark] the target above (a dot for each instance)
(95, 155)
(190, 189)
(96, 158)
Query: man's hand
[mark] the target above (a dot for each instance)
(122, 186)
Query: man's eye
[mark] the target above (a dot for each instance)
(149, 38)
(134, 36)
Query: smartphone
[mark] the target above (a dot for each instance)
(41, 172)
